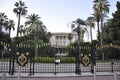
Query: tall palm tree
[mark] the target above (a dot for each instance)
(3, 19)
(10, 25)
(78, 26)
(20, 10)
(91, 23)
(33, 18)
(35, 24)
(36, 27)
(103, 7)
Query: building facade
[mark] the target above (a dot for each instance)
(60, 41)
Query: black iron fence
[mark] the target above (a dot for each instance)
(56, 59)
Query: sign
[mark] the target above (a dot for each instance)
(85, 58)
(22, 58)
(57, 60)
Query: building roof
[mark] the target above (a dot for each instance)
(62, 33)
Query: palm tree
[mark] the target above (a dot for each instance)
(78, 26)
(35, 25)
(36, 28)
(102, 7)
(3, 19)
(90, 22)
(10, 25)
(70, 36)
(20, 10)
(33, 18)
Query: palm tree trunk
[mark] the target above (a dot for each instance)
(101, 36)
(18, 25)
(98, 32)
(9, 32)
(91, 33)
(0, 27)
(101, 30)
(36, 49)
(36, 43)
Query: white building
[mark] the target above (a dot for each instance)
(61, 39)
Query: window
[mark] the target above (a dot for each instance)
(56, 37)
(64, 37)
(60, 37)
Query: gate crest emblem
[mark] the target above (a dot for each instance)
(22, 58)
(85, 59)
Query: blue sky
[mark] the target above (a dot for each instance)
(55, 14)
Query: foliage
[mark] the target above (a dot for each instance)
(4, 37)
(46, 51)
(3, 19)
(10, 25)
(78, 27)
(91, 24)
(20, 10)
(112, 28)
(72, 48)
(70, 36)
(110, 53)
(101, 8)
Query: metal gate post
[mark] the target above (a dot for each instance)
(10, 64)
(33, 59)
(78, 59)
(13, 51)
(93, 60)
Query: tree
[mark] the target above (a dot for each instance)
(20, 10)
(33, 18)
(3, 19)
(102, 7)
(70, 36)
(36, 28)
(78, 26)
(10, 25)
(112, 27)
(90, 22)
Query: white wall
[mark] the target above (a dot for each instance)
(63, 41)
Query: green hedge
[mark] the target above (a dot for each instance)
(67, 59)
(51, 59)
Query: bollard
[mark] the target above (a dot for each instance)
(19, 72)
(94, 72)
(115, 75)
(4, 76)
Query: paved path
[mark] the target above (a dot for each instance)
(66, 78)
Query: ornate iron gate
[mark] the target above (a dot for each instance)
(57, 59)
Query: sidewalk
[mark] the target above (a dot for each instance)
(61, 74)
(65, 78)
